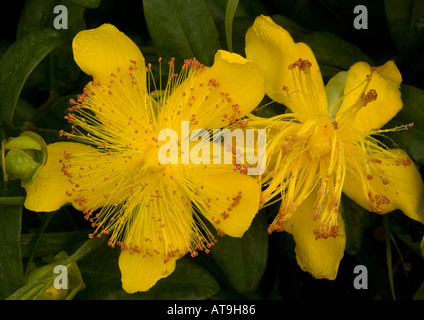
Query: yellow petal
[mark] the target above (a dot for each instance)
(385, 81)
(217, 96)
(101, 51)
(228, 199)
(48, 191)
(401, 184)
(321, 258)
(141, 273)
(157, 236)
(273, 49)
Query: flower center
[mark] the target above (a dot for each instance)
(318, 135)
(320, 142)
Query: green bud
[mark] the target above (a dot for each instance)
(74, 280)
(20, 165)
(23, 157)
(22, 142)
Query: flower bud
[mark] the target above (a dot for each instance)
(23, 157)
(70, 283)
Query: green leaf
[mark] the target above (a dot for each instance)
(356, 220)
(229, 16)
(101, 273)
(89, 4)
(52, 116)
(419, 295)
(34, 289)
(388, 234)
(51, 243)
(411, 140)
(182, 29)
(14, 201)
(244, 259)
(11, 269)
(368, 256)
(405, 23)
(189, 281)
(17, 63)
(412, 111)
(58, 71)
(45, 222)
(409, 232)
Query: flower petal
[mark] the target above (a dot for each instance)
(101, 51)
(396, 178)
(273, 49)
(385, 81)
(48, 191)
(156, 236)
(228, 199)
(141, 273)
(321, 258)
(159, 230)
(217, 96)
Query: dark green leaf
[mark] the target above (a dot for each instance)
(377, 273)
(36, 15)
(356, 220)
(408, 231)
(411, 140)
(243, 260)
(101, 273)
(14, 201)
(419, 295)
(11, 270)
(58, 72)
(182, 29)
(51, 243)
(35, 288)
(413, 110)
(52, 116)
(405, 21)
(89, 4)
(229, 16)
(388, 233)
(17, 63)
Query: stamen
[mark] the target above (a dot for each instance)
(119, 118)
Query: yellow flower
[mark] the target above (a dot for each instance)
(112, 172)
(325, 146)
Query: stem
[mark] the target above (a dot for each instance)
(389, 254)
(13, 201)
(37, 240)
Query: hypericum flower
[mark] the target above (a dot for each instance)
(326, 146)
(153, 211)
